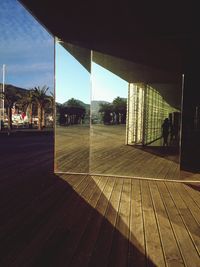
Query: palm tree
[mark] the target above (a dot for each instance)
(11, 97)
(40, 97)
(52, 104)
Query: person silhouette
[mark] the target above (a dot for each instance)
(165, 131)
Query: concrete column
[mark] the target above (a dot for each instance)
(190, 136)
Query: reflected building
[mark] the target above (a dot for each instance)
(96, 141)
(146, 52)
(146, 111)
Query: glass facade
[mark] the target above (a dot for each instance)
(146, 111)
(96, 119)
(72, 126)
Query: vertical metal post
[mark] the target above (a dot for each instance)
(3, 87)
(2, 100)
(144, 115)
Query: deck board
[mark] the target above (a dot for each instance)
(184, 241)
(154, 250)
(189, 202)
(194, 193)
(107, 221)
(189, 221)
(103, 151)
(137, 237)
(171, 250)
(103, 244)
(119, 252)
(56, 220)
(82, 254)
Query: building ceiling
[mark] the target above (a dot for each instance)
(159, 34)
(157, 38)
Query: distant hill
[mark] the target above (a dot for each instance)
(22, 91)
(95, 106)
(14, 88)
(86, 106)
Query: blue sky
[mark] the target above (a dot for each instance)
(73, 80)
(26, 48)
(106, 85)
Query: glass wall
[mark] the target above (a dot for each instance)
(99, 114)
(146, 112)
(72, 131)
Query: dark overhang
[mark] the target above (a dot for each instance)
(158, 38)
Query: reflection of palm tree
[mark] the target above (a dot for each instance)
(107, 110)
(119, 108)
(115, 112)
(40, 97)
(11, 96)
(75, 111)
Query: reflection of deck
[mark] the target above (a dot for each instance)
(72, 149)
(109, 155)
(75, 220)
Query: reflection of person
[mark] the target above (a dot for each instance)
(165, 131)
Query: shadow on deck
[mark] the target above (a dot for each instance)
(74, 220)
(45, 222)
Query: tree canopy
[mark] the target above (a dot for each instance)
(115, 112)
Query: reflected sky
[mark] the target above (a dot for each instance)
(106, 85)
(72, 79)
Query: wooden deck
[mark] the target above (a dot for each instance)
(103, 151)
(72, 149)
(110, 156)
(80, 220)
(99, 221)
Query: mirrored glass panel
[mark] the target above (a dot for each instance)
(72, 130)
(135, 119)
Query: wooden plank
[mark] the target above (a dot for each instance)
(186, 246)
(72, 149)
(158, 171)
(79, 223)
(171, 250)
(110, 156)
(190, 223)
(189, 201)
(83, 252)
(22, 209)
(102, 247)
(42, 235)
(193, 192)
(173, 172)
(137, 251)
(119, 250)
(154, 250)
